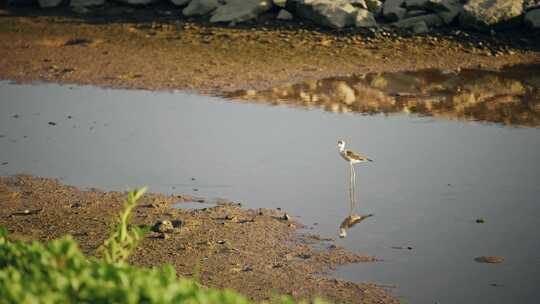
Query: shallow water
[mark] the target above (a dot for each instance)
(430, 180)
(192, 205)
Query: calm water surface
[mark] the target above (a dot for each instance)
(430, 180)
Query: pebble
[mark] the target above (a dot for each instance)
(491, 259)
(164, 226)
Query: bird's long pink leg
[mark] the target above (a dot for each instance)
(351, 195)
(354, 190)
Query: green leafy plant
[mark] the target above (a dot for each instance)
(123, 239)
(58, 272)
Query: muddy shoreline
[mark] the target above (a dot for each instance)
(256, 252)
(144, 49)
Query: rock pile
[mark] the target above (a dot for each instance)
(418, 16)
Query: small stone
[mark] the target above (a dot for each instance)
(286, 217)
(491, 259)
(177, 223)
(52, 123)
(284, 15)
(164, 226)
(480, 220)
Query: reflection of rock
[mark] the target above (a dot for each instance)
(240, 10)
(483, 14)
(344, 93)
(469, 95)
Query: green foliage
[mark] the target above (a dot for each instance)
(122, 241)
(58, 272)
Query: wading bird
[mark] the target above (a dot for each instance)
(352, 158)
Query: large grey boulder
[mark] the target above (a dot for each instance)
(86, 3)
(416, 4)
(358, 3)
(364, 18)
(49, 3)
(532, 18)
(138, 2)
(486, 14)
(374, 6)
(393, 10)
(180, 2)
(280, 3)
(240, 10)
(330, 13)
(448, 10)
(531, 4)
(430, 20)
(200, 7)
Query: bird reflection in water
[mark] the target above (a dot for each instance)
(349, 222)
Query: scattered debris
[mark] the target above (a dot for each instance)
(28, 212)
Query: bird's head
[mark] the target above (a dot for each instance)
(341, 145)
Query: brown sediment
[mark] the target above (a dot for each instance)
(142, 49)
(256, 252)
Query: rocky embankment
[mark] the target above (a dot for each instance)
(415, 16)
